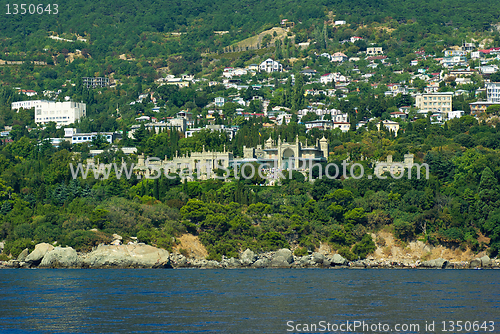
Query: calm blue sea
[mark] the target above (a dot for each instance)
(248, 301)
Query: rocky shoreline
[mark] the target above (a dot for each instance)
(138, 255)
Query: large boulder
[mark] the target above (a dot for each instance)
(61, 257)
(280, 262)
(485, 261)
(261, 263)
(23, 255)
(338, 260)
(304, 260)
(435, 264)
(233, 263)
(318, 258)
(128, 256)
(36, 256)
(247, 257)
(476, 263)
(285, 254)
(210, 264)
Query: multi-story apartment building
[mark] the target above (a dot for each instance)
(62, 113)
(493, 92)
(26, 104)
(435, 101)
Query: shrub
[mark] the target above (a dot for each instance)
(17, 246)
(403, 230)
(273, 241)
(184, 252)
(301, 251)
(346, 252)
(83, 241)
(364, 247)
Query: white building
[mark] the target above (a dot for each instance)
(177, 124)
(338, 57)
(332, 77)
(270, 65)
(390, 125)
(283, 119)
(371, 51)
(27, 92)
(455, 114)
(343, 126)
(79, 138)
(477, 54)
(230, 131)
(219, 102)
(489, 69)
(493, 92)
(62, 113)
(230, 72)
(26, 104)
(434, 101)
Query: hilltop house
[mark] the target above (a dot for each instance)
(270, 65)
(338, 57)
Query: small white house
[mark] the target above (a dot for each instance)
(455, 114)
(219, 102)
(270, 65)
(338, 57)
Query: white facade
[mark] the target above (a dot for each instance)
(79, 138)
(26, 104)
(489, 69)
(455, 114)
(493, 92)
(332, 77)
(343, 126)
(338, 57)
(230, 131)
(435, 101)
(390, 125)
(476, 54)
(62, 113)
(374, 51)
(230, 72)
(219, 101)
(270, 65)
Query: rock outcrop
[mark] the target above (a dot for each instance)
(36, 256)
(436, 264)
(248, 257)
(485, 261)
(23, 255)
(127, 256)
(282, 258)
(318, 258)
(338, 260)
(61, 257)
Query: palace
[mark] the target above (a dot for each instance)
(282, 153)
(277, 154)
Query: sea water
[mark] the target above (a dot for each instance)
(249, 301)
